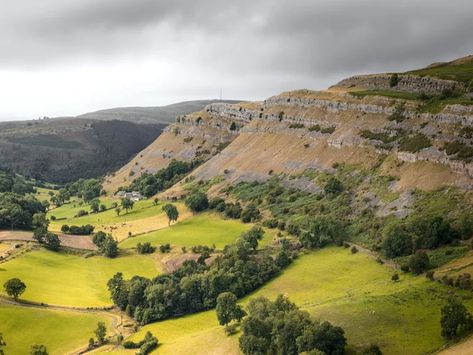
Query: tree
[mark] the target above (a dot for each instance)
(333, 186)
(52, 241)
(155, 201)
(38, 349)
(2, 344)
(197, 202)
(39, 221)
(118, 210)
(322, 231)
(227, 309)
(373, 349)
(109, 247)
(171, 212)
(14, 288)
(100, 332)
(396, 241)
(233, 126)
(394, 80)
(454, 317)
(95, 205)
(419, 262)
(127, 204)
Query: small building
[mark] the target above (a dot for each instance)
(134, 195)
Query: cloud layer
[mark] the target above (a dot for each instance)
(67, 57)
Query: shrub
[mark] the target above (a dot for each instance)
(398, 113)
(197, 202)
(419, 262)
(165, 248)
(333, 186)
(328, 130)
(396, 241)
(296, 125)
(145, 248)
(414, 143)
(314, 128)
(394, 80)
(354, 250)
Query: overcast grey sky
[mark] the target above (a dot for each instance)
(66, 57)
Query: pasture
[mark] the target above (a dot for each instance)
(62, 332)
(71, 280)
(200, 229)
(144, 217)
(352, 291)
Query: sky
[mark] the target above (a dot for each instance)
(63, 58)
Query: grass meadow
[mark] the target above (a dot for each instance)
(71, 280)
(60, 331)
(352, 291)
(201, 229)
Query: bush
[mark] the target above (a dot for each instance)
(419, 262)
(394, 80)
(395, 277)
(414, 143)
(396, 241)
(145, 248)
(82, 230)
(81, 213)
(233, 210)
(296, 125)
(165, 248)
(197, 202)
(354, 250)
(333, 186)
(250, 214)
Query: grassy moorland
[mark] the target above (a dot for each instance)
(60, 331)
(71, 280)
(352, 291)
(202, 229)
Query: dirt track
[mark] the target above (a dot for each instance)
(71, 241)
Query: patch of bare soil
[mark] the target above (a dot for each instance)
(71, 241)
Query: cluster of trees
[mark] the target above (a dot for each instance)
(78, 230)
(195, 286)
(322, 231)
(106, 244)
(198, 202)
(10, 182)
(401, 238)
(280, 327)
(150, 184)
(41, 234)
(16, 211)
(87, 189)
(148, 344)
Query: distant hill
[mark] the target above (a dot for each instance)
(65, 149)
(151, 115)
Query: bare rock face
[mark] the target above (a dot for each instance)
(407, 83)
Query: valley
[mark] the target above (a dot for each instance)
(354, 203)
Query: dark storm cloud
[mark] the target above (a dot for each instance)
(256, 45)
(302, 36)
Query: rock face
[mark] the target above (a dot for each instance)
(299, 130)
(406, 83)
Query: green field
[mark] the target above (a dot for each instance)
(352, 291)
(42, 194)
(60, 331)
(201, 229)
(458, 72)
(66, 213)
(64, 279)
